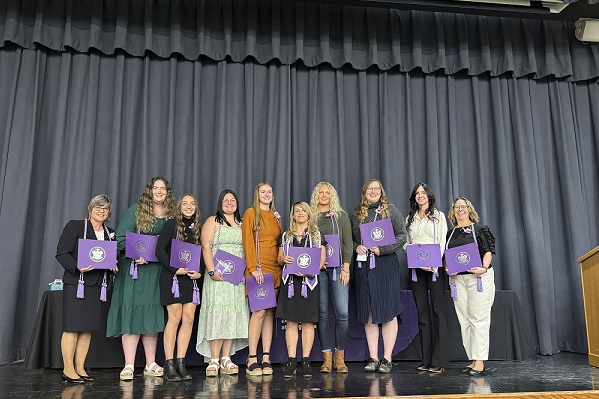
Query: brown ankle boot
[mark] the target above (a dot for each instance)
(327, 363)
(339, 362)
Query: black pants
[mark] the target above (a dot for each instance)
(432, 320)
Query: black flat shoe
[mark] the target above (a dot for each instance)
(436, 370)
(423, 367)
(87, 378)
(477, 373)
(69, 380)
(466, 369)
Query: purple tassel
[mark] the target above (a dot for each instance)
(103, 291)
(371, 261)
(334, 274)
(479, 284)
(304, 289)
(80, 287)
(133, 270)
(175, 287)
(435, 275)
(290, 288)
(414, 277)
(360, 265)
(454, 291)
(196, 293)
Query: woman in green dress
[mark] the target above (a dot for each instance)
(224, 316)
(135, 310)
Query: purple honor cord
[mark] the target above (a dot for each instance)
(103, 290)
(175, 287)
(80, 287)
(290, 288)
(334, 274)
(454, 292)
(414, 277)
(479, 283)
(196, 293)
(133, 270)
(304, 288)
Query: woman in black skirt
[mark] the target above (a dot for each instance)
(180, 303)
(377, 277)
(299, 300)
(81, 316)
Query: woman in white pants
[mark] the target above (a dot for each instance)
(473, 290)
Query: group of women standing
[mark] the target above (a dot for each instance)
(143, 288)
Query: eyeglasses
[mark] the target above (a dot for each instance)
(229, 201)
(101, 209)
(460, 207)
(156, 188)
(373, 189)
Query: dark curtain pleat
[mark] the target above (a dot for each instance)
(289, 31)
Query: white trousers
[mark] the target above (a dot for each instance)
(474, 312)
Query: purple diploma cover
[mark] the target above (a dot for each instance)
(185, 255)
(462, 258)
(424, 255)
(97, 254)
(333, 256)
(230, 267)
(306, 261)
(377, 233)
(261, 296)
(141, 246)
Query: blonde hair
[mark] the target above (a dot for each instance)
(100, 200)
(145, 219)
(312, 226)
(195, 219)
(256, 205)
(472, 214)
(335, 205)
(362, 209)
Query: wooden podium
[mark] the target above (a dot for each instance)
(589, 268)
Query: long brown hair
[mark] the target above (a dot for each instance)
(256, 205)
(362, 209)
(145, 218)
(312, 226)
(196, 219)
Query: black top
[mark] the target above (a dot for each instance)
(463, 235)
(163, 246)
(66, 252)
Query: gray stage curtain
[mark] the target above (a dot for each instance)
(292, 31)
(75, 125)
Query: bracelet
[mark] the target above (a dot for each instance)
(346, 271)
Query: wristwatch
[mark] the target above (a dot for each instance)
(211, 273)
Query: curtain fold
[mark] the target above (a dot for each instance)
(313, 34)
(524, 150)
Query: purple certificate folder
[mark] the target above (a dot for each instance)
(230, 267)
(141, 246)
(261, 296)
(185, 255)
(462, 258)
(97, 254)
(377, 233)
(424, 255)
(306, 261)
(333, 256)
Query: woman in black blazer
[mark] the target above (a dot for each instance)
(81, 316)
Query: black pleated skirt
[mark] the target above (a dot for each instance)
(185, 288)
(378, 290)
(298, 308)
(81, 314)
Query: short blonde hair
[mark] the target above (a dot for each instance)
(472, 214)
(99, 200)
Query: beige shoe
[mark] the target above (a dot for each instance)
(339, 362)
(327, 364)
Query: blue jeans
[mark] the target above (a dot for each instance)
(340, 295)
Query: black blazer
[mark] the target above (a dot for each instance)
(66, 253)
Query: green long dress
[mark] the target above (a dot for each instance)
(135, 306)
(225, 313)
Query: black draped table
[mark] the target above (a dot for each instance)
(510, 336)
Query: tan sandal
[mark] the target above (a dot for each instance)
(212, 369)
(227, 366)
